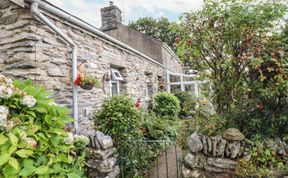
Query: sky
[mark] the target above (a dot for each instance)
(89, 10)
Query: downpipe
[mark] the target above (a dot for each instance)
(36, 13)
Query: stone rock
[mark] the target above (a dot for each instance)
(9, 19)
(246, 156)
(209, 144)
(204, 143)
(115, 173)
(194, 143)
(234, 148)
(189, 173)
(227, 151)
(106, 165)
(222, 163)
(221, 148)
(96, 143)
(104, 140)
(191, 160)
(214, 141)
(233, 134)
(99, 154)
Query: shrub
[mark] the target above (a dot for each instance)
(263, 161)
(187, 103)
(166, 105)
(33, 142)
(157, 128)
(119, 118)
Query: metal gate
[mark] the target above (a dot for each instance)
(165, 164)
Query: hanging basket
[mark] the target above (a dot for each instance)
(87, 86)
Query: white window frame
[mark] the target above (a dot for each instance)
(182, 83)
(114, 76)
(115, 79)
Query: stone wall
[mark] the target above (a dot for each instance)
(29, 49)
(170, 60)
(218, 156)
(100, 157)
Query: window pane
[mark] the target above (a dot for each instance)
(190, 88)
(175, 88)
(116, 74)
(114, 88)
(188, 79)
(175, 78)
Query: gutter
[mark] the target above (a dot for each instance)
(36, 13)
(60, 13)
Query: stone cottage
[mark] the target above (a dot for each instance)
(43, 42)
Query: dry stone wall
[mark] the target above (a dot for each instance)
(29, 49)
(100, 157)
(217, 156)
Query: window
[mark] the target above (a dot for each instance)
(114, 82)
(115, 74)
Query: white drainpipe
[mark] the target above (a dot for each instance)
(35, 11)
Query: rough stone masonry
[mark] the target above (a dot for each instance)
(29, 49)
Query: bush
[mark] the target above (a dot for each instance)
(157, 128)
(33, 142)
(166, 105)
(187, 103)
(263, 161)
(119, 118)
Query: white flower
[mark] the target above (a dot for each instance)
(70, 138)
(3, 116)
(29, 101)
(81, 139)
(5, 81)
(5, 92)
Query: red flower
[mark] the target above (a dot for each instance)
(78, 80)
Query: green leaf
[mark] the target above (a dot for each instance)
(14, 163)
(41, 170)
(13, 139)
(4, 158)
(73, 175)
(10, 171)
(3, 139)
(27, 171)
(24, 153)
(28, 163)
(40, 109)
(12, 149)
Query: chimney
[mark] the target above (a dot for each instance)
(111, 16)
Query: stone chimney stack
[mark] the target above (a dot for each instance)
(111, 16)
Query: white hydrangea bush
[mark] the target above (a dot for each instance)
(7, 91)
(76, 139)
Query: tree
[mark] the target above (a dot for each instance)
(159, 29)
(219, 40)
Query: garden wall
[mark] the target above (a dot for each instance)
(29, 49)
(218, 156)
(101, 157)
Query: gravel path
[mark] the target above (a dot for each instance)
(171, 160)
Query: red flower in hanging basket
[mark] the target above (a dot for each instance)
(86, 82)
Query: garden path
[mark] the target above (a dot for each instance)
(171, 160)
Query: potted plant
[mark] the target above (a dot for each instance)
(86, 82)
